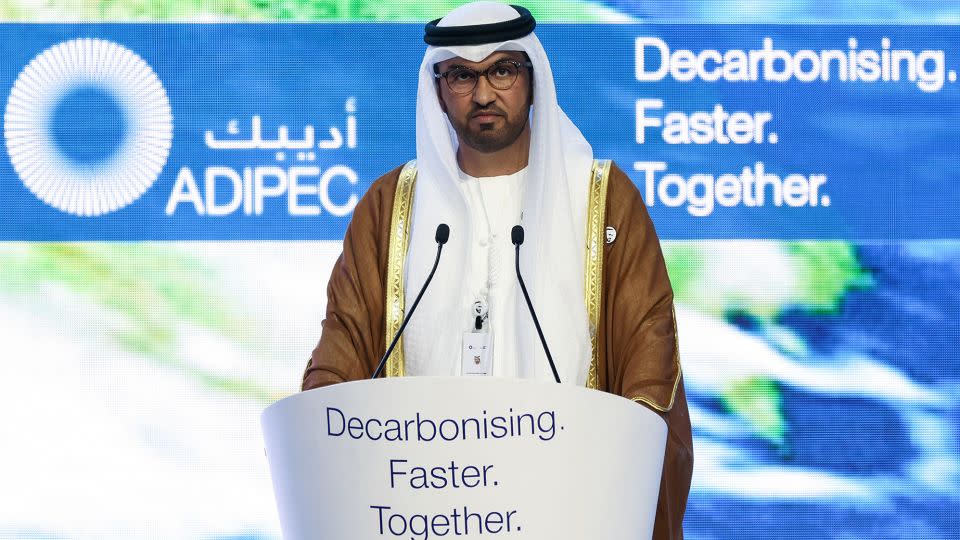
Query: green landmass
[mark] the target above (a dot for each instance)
(278, 10)
(763, 278)
(758, 401)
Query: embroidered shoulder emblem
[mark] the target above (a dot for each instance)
(611, 235)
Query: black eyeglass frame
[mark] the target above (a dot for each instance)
(527, 64)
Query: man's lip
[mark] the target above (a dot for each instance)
(485, 115)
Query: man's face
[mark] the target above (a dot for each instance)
(487, 119)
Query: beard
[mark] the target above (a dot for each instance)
(489, 137)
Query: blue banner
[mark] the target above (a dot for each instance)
(247, 131)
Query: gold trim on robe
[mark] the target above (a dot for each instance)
(399, 241)
(593, 276)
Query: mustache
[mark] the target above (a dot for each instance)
(487, 110)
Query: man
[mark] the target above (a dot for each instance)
(495, 150)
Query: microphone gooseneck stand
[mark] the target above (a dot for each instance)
(442, 235)
(516, 235)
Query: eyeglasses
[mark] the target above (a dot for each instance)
(501, 75)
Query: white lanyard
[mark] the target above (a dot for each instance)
(481, 308)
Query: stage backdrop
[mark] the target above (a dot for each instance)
(173, 196)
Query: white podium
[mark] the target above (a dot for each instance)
(475, 457)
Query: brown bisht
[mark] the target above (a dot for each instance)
(636, 335)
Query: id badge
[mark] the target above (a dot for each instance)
(476, 358)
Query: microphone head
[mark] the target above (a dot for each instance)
(443, 233)
(516, 235)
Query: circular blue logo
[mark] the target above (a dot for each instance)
(88, 126)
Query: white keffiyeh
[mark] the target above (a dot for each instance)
(554, 219)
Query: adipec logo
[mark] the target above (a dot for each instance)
(88, 126)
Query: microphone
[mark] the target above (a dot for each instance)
(442, 235)
(516, 235)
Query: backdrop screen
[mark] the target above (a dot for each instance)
(176, 179)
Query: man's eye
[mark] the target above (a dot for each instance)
(462, 75)
(504, 70)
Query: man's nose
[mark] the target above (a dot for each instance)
(484, 93)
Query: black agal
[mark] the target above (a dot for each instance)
(478, 34)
